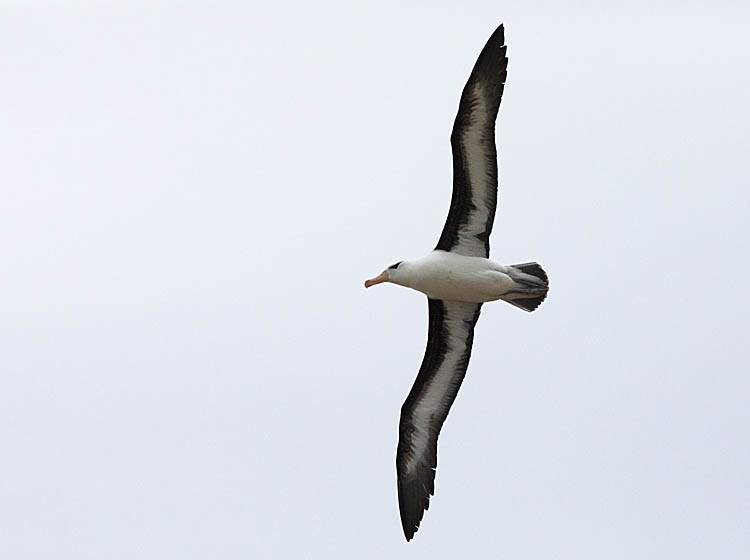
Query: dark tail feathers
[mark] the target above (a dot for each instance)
(533, 285)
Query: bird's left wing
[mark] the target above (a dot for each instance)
(472, 213)
(449, 340)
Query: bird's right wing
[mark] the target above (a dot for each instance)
(449, 340)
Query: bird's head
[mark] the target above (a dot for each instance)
(396, 273)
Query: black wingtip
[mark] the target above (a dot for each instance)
(413, 501)
(492, 62)
(410, 529)
(498, 36)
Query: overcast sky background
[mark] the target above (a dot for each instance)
(192, 195)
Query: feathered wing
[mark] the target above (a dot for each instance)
(472, 212)
(449, 340)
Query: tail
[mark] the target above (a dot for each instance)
(531, 286)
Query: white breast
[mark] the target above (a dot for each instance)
(447, 276)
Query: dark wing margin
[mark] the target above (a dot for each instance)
(472, 212)
(449, 340)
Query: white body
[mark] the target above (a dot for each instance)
(452, 277)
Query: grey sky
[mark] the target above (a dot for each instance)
(193, 195)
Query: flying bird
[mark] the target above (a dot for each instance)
(457, 277)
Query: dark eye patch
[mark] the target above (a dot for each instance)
(395, 265)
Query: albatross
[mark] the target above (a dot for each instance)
(457, 277)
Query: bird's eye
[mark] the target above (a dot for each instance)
(394, 266)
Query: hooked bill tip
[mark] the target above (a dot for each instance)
(382, 277)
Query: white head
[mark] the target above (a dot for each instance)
(396, 273)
